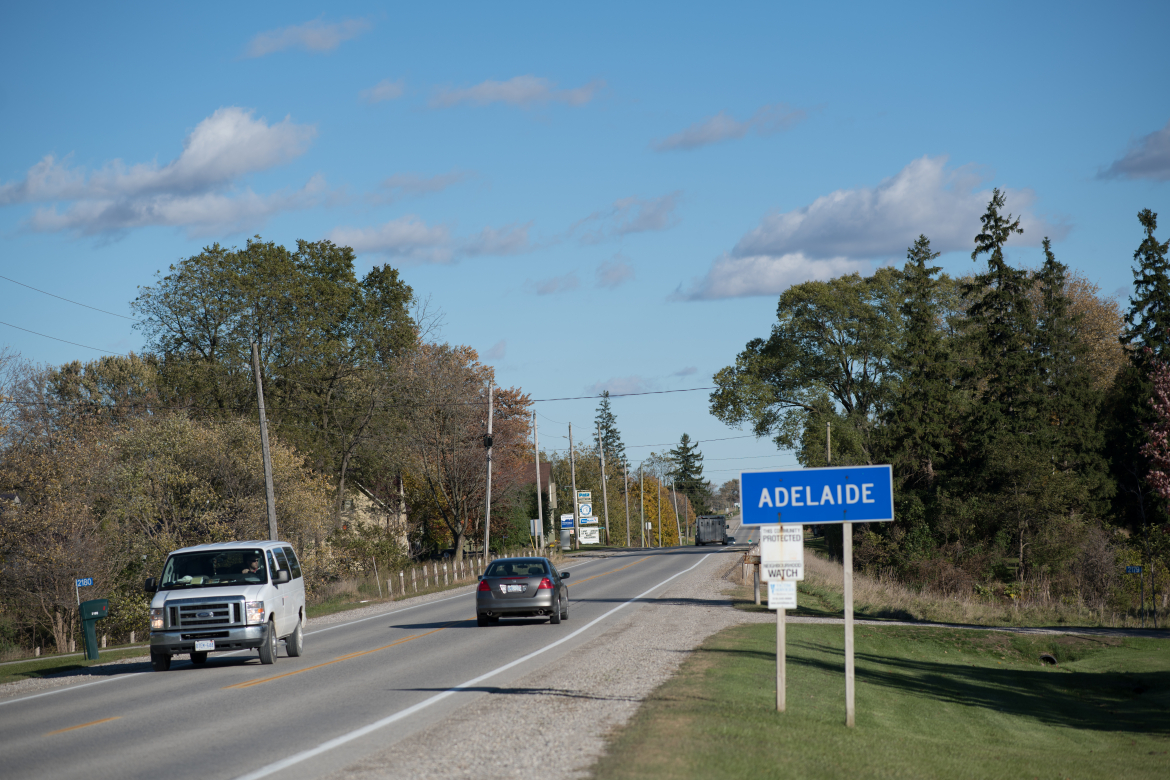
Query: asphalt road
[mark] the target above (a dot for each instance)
(360, 686)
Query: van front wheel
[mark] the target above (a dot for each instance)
(160, 662)
(268, 648)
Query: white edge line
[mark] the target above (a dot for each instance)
(364, 730)
(65, 688)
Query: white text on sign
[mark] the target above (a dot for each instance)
(803, 495)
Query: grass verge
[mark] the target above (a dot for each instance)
(48, 666)
(930, 703)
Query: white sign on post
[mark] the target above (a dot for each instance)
(585, 510)
(590, 536)
(782, 594)
(781, 552)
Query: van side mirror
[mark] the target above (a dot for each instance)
(282, 576)
(151, 586)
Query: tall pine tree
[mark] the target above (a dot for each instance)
(1003, 332)
(917, 434)
(1070, 427)
(1129, 412)
(688, 473)
(615, 450)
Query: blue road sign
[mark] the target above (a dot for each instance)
(85, 583)
(844, 494)
(566, 521)
(1133, 569)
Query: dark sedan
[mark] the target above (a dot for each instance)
(521, 587)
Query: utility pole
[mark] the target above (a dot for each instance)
(269, 496)
(677, 526)
(626, 477)
(573, 475)
(828, 443)
(659, 481)
(604, 492)
(487, 507)
(642, 501)
(539, 499)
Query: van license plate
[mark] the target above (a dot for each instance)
(203, 645)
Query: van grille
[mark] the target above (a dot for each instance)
(189, 615)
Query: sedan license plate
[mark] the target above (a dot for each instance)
(203, 645)
(515, 588)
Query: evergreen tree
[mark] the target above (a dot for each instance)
(615, 450)
(1003, 333)
(1070, 432)
(1129, 411)
(688, 473)
(917, 434)
(1148, 320)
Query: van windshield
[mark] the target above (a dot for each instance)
(214, 569)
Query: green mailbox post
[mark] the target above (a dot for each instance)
(91, 613)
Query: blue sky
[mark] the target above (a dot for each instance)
(610, 196)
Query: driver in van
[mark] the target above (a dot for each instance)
(253, 565)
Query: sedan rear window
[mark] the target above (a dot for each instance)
(516, 568)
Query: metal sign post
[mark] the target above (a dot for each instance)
(781, 565)
(799, 497)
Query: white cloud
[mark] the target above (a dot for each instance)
(1148, 158)
(411, 238)
(741, 277)
(688, 371)
(408, 185)
(384, 90)
(722, 127)
(194, 190)
(508, 240)
(498, 351)
(314, 36)
(882, 221)
(407, 237)
(226, 145)
(556, 284)
(200, 214)
(521, 91)
(620, 385)
(614, 273)
(629, 215)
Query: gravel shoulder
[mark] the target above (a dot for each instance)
(569, 710)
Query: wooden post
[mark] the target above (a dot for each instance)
(402, 583)
(847, 538)
(487, 506)
(626, 477)
(539, 498)
(377, 577)
(781, 660)
(269, 496)
(604, 492)
(756, 582)
(573, 473)
(642, 502)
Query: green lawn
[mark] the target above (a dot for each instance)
(50, 665)
(935, 703)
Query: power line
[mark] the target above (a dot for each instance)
(63, 341)
(67, 300)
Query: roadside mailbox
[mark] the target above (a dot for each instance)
(92, 612)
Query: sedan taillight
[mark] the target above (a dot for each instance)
(544, 584)
(484, 586)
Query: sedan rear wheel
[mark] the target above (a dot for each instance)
(565, 609)
(482, 620)
(555, 617)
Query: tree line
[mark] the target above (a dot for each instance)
(1017, 406)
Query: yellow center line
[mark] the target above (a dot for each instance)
(250, 683)
(615, 571)
(83, 725)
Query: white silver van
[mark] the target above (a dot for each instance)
(227, 596)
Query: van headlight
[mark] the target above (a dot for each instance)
(156, 618)
(255, 612)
